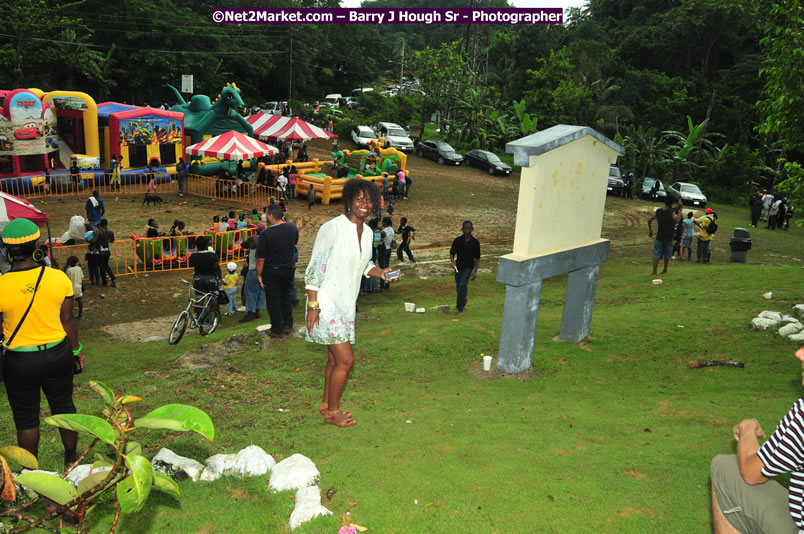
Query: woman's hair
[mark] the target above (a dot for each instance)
(353, 189)
(689, 215)
(72, 261)
(201, 243)
(22, 251)
(151, 222)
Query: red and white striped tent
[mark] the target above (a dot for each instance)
(12, 208)
(267, 126)
(232, 146)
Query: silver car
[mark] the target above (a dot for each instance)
(690, 194)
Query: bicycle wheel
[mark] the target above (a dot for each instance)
(210, 321)
(179, 327)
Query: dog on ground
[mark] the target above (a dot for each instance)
(151, 198)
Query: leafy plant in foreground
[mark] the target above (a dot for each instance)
(128, 473)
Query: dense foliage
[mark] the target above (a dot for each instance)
(676, 81)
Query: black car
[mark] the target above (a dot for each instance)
(488, 161)
(439, 151)
(647, 190)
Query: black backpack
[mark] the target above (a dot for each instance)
(712, 228)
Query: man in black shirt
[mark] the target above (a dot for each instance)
(275, 266)
(465, 258)
(666, 219)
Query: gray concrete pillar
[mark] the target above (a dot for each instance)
(580, 301)
(519, 327)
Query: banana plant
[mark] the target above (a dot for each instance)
(126, 473)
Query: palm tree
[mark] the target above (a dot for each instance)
(685, 149)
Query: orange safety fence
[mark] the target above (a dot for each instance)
(138, 255)
(137, 184)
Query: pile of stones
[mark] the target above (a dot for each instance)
(789, 326)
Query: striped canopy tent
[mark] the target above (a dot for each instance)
(12, 208)
(232, 146)
(270, 127)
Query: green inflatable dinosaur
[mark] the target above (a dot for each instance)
(203, 117)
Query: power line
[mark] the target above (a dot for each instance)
(189, 52)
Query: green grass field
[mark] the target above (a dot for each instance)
(612, 435)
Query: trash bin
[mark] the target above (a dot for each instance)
(740, 244)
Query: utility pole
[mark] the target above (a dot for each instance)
(290, 64)
(402, 67)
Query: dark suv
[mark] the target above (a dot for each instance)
(616, 184)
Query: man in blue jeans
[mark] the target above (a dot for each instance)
(464, 255)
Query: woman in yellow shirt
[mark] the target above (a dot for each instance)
(41, 338)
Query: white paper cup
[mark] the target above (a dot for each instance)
(487, 363)
(410, 306)
(657, 281)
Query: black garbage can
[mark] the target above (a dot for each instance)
(740, 244)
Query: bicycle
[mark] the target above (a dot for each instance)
(207, 320)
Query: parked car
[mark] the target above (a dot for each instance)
(275, 107)
(690, 194)
(439, 151)
(647, 186)
(395, 136)
(361, 135)
(488, 161)
(616, 184)
(351, 102)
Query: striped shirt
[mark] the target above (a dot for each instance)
(784, 453)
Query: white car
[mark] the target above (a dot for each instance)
(361, 135)
(395, 136)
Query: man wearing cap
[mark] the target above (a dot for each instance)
(40, 337)
(705, 238)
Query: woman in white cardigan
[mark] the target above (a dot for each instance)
(341, 256)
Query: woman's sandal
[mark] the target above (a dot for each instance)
(324, 408)
(339, 419)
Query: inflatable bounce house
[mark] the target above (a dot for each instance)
(47, 132)
(140, 135)
(369, 164)
(205, 118)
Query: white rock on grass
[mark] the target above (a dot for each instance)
(83, 471)
(177, 467)
(789, 319)
(790, 329)
(294, 472)
(772, 315)
(798, 311)
(760, 323)
(251, 461)
(799, 338)
(308, 506)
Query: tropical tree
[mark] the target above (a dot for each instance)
(685, 150)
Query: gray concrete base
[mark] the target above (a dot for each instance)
(523, 279)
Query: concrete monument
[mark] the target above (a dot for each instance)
(562, 194)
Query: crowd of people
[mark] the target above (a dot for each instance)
(675, 234)
(771, 207)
